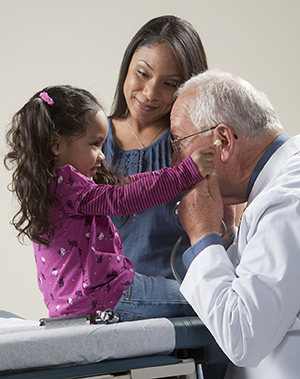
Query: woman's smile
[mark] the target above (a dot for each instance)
(145, 107)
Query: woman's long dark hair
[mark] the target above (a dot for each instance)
(30, 140)
(175, 32)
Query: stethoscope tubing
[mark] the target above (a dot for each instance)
(178, 242)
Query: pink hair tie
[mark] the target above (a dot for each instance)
(47, 99)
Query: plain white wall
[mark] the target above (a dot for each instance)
(81, 43)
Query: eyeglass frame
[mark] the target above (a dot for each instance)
(174, 141)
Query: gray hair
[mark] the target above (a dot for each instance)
(220, 97)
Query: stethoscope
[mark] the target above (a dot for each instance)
(178, 242)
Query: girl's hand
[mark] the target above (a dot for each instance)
(204, 159)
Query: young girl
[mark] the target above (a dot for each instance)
(67, 193)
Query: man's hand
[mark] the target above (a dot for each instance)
(201, 209)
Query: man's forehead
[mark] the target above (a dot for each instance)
(180, 108)
(180, 119)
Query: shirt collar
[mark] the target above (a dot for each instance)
(260, 165)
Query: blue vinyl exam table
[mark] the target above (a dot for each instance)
(155, 348)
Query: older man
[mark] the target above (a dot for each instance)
(247, 295)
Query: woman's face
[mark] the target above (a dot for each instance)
(152, 79)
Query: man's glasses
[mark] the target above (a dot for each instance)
(176, 142)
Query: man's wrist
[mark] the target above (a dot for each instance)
(198, 236)
(190, 254)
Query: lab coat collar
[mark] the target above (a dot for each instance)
(284, 137)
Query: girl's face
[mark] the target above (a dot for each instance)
(85, 152)
(152, 79)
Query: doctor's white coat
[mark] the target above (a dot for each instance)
(249, 295)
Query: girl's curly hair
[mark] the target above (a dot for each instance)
(31, 157)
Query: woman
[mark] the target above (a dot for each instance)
(164, 53)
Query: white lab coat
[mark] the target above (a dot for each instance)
(249, 296)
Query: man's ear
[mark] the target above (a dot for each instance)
(55, 144)
(227, 137)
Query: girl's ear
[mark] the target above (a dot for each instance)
(55, 144)
(227, 137)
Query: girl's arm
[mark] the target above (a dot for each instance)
(146, 191)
